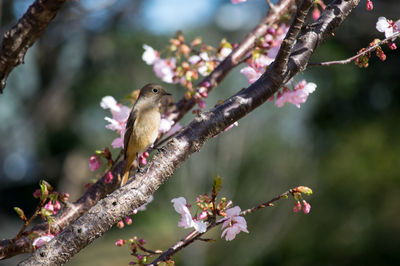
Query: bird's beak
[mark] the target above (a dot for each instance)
(167, 94)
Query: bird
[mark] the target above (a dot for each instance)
(142, 125)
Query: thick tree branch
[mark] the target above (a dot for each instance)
(195, 235)
(121, 202)
(68, 215)
(19, 38)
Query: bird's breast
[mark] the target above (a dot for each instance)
(145, 130)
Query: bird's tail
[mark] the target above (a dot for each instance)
(131, 164)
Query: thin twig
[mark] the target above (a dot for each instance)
(195, 235)
(349, 60)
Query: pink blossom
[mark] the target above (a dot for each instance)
(194, 59)
(94, 163)
(316, 13)
(41, 240)
(49, 206)
(201, 103)
(120, 224)
(387, 26)
(203, 215)
(164, 69)
(297, 207)
(370, 5)
(57, 206)
(298, 96)
(120, 242)
(142, 160)
(233, 224)
(109, 177)
(251, 74)
(128, 220)
(165, 125)
(187, 221)
(237, 1)
(306, 207)
(203, 70)
(225, 51)
(150, 55)
(37, 193)
(120, 114)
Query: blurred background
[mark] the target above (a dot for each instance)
(344, 142)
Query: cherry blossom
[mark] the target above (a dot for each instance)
(150, 55)
(120, 114)
(41, 240)
(298, 96)
(163, 68)
(120, 242)
(233, 224)
(306, 207)
(297, 207)
(251, 74)
(94, 163)
(187, 220)
(387, 26)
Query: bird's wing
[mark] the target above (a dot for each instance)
(129, 129)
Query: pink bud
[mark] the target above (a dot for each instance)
(142, 241)
(109, 177)
(140, 257)
(316, 13)
(142, 160)
(297, 207)
(203, 215)
(120, 242)
(201, 104)
(120, 224)
(392, 46)
(57, 206)
(307, 207)
(370, 5)
(94, 163)
(146, 154)
(204, 94)
(128, 220)
(49, 206)
(37, 193)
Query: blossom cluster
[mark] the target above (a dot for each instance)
(263, 55)
(389, 28)
(183, 63)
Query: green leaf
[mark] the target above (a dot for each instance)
(217, 184)
(20, 213)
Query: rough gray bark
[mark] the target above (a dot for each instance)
(121, 202)
(28, 29)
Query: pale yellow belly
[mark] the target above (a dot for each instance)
(145, 130)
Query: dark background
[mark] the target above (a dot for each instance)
(343, 142)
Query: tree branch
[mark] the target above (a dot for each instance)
(195, 235)
(101, 189)
(64, 217)
(22, 35)
(366, 51)
(136, 192)
(235, 57)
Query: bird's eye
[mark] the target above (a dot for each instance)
(155, 90)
